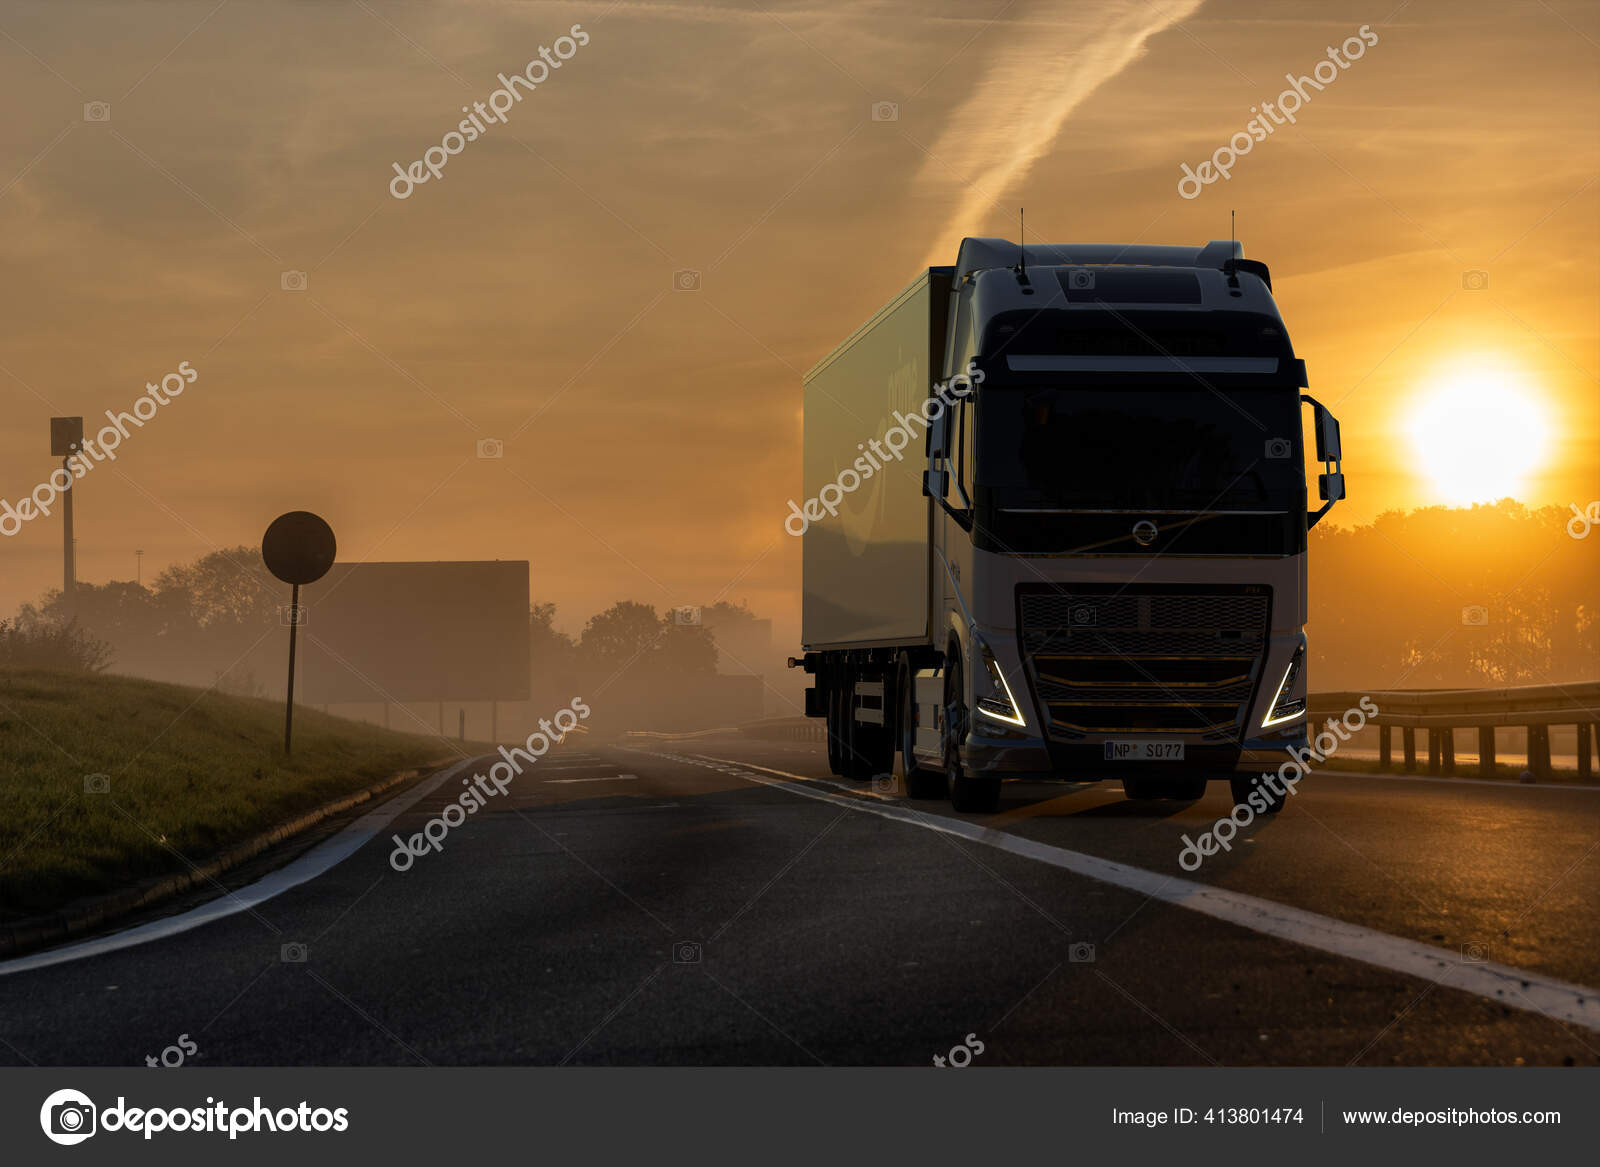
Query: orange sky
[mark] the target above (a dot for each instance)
(652, 436)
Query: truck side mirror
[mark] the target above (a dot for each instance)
(935, 483)
(1330, 484)
(1327, 436)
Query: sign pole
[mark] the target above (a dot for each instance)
(69, 572)
(294, 626)
(298, 548)
(66, 439)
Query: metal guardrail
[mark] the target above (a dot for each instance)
(1438, 711)
(662, 735)
(793, 729)
(1443, 711)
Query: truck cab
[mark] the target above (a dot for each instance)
(1116, 530)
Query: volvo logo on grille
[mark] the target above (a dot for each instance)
(1144, 532)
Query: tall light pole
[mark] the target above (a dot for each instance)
(66, 439)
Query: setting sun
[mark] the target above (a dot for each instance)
(1478, 431)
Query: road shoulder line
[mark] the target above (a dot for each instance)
(1513, 987)
(326, 855)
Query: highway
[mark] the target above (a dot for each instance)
(726, 901)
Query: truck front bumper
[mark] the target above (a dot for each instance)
(1021, 755)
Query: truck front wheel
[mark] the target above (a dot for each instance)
(920, 783)
(968, 795)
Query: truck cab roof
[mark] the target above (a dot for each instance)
(1103, 274)
(979, 253)
(1206, 306)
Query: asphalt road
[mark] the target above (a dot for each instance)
(726, 901)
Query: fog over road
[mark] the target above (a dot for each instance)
(727, 901)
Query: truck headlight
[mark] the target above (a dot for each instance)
(1286, 706)
(999, 704)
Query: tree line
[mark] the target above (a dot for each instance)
(1483, 596)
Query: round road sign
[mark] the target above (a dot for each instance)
(298, 547)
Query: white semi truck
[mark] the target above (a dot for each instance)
(1056, 525)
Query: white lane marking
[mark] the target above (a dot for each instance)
(1514, 987)
(327, 854)
(607, 778)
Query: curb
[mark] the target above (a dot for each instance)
(87, 916)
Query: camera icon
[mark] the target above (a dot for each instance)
(292, 281)
(885, 784)
(292, 615)
(885, 111)
(293, 953)
(688, 614)
(1279, 448)
(1080, 279)
(1475, 280)
(1475, 616)
(1081, 953)
(97, 111)
(68, 1117)
(687, 280)
(1474, 953)
(686, 952)
(97, 784)
(491, 448)
(1084, 615)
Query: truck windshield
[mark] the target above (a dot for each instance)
(1140, 448)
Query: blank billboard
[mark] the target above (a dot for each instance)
(416, 632)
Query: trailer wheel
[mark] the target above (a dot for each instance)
(920, 783)
(837, 745)
(872, 746)
(968, 795)
(863, 743)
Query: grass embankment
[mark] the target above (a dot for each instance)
(183, 771)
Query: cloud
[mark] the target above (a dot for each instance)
(1019, 107)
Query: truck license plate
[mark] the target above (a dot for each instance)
(1138, 750)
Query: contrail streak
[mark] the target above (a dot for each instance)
(1019, 107)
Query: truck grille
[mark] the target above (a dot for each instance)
(1177, 659)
